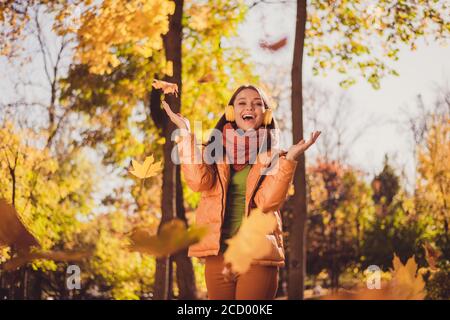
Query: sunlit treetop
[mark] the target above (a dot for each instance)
(364, 36)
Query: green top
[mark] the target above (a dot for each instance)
(235, 205)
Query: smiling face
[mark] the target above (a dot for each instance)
(248, 110)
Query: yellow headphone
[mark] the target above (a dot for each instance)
(229, 115)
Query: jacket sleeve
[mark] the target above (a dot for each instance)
(199, 176)
(273, 190)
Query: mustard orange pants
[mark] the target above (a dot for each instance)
(258, 283)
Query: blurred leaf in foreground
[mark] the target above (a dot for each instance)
(250, 242)
(173, 237)
(13, 233)
(12, 229)
(406, 284)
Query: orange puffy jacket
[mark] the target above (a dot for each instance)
(266, 192)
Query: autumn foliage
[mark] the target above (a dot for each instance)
(82, 151)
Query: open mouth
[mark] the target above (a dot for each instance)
(248, 117)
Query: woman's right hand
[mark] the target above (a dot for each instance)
(180, 121)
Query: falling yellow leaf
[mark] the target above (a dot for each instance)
(167, 87)
(251, 241)
(173, 237)
(146, 170)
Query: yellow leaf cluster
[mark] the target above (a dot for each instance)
(198, 16)
(137, 24)
(433, 181)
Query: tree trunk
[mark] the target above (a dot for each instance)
(185, 269)
(297, 234)
(172, 46)
(35, 286)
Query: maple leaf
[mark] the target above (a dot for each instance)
(274, 46)
(406, 283)
(251, 241)
(173, 237)
(146, 170)
(167, 87)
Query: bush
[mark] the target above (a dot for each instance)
(438, 283)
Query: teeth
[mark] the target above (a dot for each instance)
(247, 116)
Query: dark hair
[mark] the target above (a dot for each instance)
(250, 86)
(222, 121)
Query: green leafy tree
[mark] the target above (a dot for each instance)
(396, 227)
(340, 211)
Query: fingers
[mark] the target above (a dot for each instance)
(180, 115)
(302, 146)
(172, 115)
(167, 108)
(314, 136)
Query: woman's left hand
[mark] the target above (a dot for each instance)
(296, 150)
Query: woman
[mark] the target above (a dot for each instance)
(231, 188)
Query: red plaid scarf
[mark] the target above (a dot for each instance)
(240, 149)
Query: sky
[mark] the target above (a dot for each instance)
(421, 72)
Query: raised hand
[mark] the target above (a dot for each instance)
(180, 121)
(296, 150)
